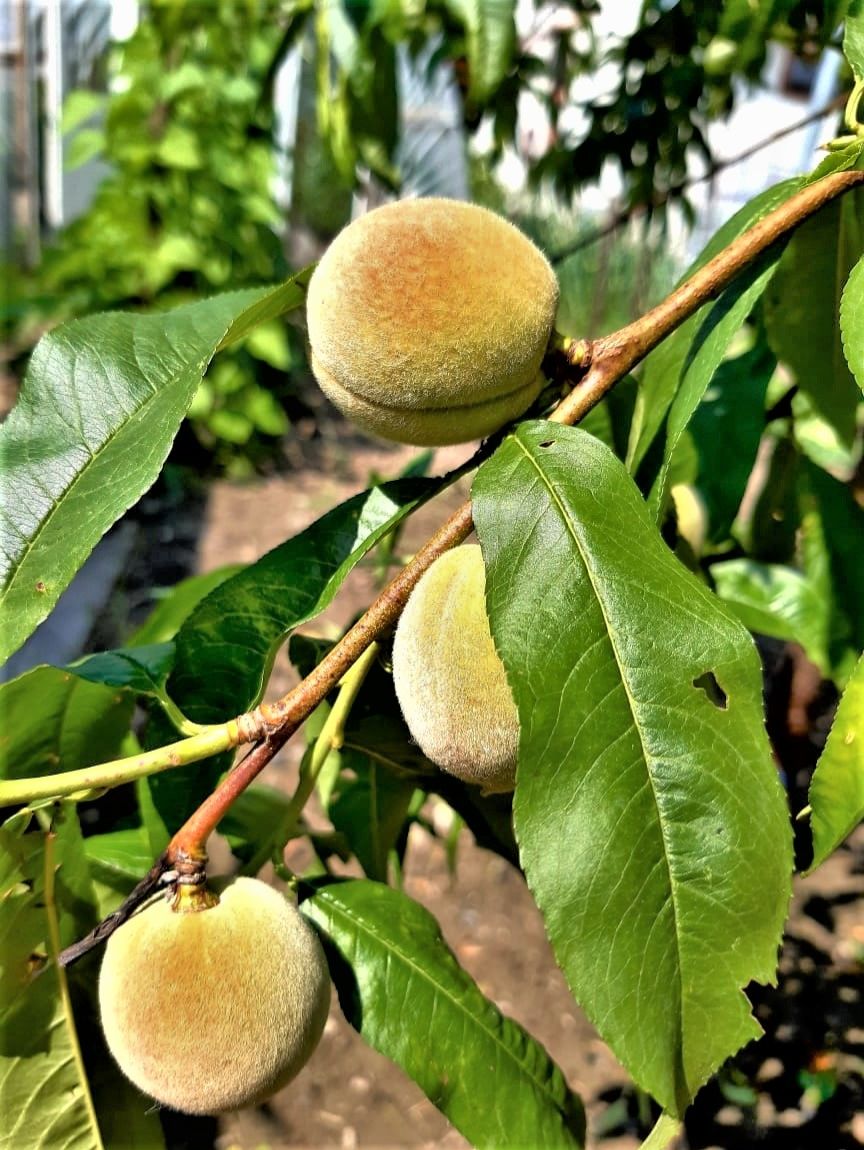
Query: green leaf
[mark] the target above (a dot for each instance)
(853, 37)
(837, 786)
(801, 308)
(265, 411)
(775, 600)
(843, 528)
(45, 1091)
(84, 146)
(270, 344)
(232, 426)
(652, 828)
(814, 557)
(79, 106)
(374, 105)
(852, 322)
(397, 980)
(118, 860)
(99, 407)
(376, 729)
(170, 797)
(120, 857)
(142, 670)
(53, 721)
(180, 148)
(227, 645)
(167, 617)
(726, 428)
(663, 368)
(490, 40)
(819, 441)
(705, 355)
(126, 1118)
(370, 810)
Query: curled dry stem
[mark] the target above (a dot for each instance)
(597, 366)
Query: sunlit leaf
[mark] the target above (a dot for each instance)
(775, 600)
(397, 979)
(51, 721)
(853, 37)
(99, 408)
(652, 827)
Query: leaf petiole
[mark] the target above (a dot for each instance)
(208, 741)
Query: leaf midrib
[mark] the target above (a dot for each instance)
(359, 923)
(570, 527)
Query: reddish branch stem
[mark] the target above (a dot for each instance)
(607, 361)
(282, 718)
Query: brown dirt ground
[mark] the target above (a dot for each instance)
(349, 1096)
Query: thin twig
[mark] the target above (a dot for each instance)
(285, 716)
(145, 888)
(624, 215)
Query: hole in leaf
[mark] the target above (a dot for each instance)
(708, 683)
(547, 443)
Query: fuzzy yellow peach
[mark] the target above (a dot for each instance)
(214, 1009)
(428, 320)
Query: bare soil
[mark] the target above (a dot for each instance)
(799, 1087)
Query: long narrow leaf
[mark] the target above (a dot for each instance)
(661, 375)
(837, 787)
(46, 1098)
(402, 988)
(99, 408)
(227, 644)
(652, 827)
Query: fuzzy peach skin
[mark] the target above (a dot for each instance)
(428, 320)
(449, 679)
(212, 1010)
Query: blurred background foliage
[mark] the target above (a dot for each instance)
(194, 200)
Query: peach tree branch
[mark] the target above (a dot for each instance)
(597, 366)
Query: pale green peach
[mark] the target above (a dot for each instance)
(692, 516)
(449, 679)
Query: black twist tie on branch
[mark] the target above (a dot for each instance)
(158, 875)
